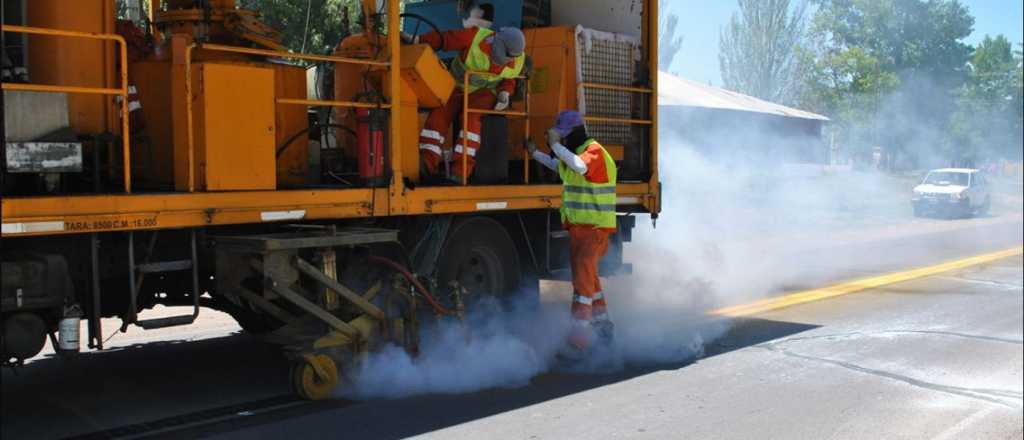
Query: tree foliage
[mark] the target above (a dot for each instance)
(889, 71)
(988, 117)
(759, 49)
(315, 25)
(669, 43)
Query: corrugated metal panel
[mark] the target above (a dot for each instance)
(676, 91)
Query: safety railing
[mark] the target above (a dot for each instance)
(606, 120)
(466, 110)
(281, 101)
(121, 91)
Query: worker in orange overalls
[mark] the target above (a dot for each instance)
(498, 57)
(588, 212)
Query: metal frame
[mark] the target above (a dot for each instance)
(122, 91)
(282, 101)
(53, 215)
(466, 110)
(327, 238)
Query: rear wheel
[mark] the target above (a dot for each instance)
(480, 256)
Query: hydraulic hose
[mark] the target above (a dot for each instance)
(438, 308)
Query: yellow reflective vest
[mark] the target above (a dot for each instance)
(479, 62)
(585, 202)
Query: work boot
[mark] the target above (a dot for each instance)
(604, 332)
(571, 354)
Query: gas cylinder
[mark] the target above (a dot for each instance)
(68, 329)
(370, 125)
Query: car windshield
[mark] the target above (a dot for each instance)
(946, 178)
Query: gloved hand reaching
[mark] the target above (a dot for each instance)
(502, 104)
(531, 146)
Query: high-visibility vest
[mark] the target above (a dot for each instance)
(478, 61)
(585, 202)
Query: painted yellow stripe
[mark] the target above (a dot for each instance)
(859, 285)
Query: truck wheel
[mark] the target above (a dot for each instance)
(481, 257)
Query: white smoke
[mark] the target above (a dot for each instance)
(736, 225)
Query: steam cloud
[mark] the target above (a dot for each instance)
(735, 225)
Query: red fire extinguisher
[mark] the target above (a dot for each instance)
(370, 145)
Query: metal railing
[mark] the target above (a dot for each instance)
(466, 110)
(606, 120)
(122, 91)
(281, 101)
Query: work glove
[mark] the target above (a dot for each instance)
(531, 147)
(502, 101)
(554, 137)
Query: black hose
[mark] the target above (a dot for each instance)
(295, 136)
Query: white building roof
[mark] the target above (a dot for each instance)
(681, 92)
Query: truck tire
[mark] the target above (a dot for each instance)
(479, 254)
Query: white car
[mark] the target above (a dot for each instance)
(952, 192)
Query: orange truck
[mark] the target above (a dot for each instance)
(187, 158)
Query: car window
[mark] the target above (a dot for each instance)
(943, 178)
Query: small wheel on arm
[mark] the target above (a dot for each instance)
(314, 377)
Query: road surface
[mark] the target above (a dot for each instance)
(936, 357)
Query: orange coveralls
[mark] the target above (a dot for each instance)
(587, 244)
(432, 136)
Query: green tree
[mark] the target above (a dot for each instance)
(669, 40)
(988, 120)
(759, 49)
(918, 41)
(312, 26)
(849, 85)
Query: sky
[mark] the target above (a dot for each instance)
(700, 22)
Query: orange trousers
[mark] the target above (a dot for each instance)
(586, 247)
(438, 123)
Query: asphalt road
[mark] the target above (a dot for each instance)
(938, 357)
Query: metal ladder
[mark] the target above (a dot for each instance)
(137, 274)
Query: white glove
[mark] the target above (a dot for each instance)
(554, 137)
(502, 101)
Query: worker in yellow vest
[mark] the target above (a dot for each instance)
(497, 58)
(588, 212)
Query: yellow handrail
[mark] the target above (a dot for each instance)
(602, 119)
(122, 91)
(465, 124)
(283, 101)
(590, 85)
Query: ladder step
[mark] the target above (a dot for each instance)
(164, 266)
(170, 321)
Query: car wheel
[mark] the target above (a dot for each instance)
(965, 209)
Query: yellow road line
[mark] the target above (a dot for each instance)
(858, 285)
